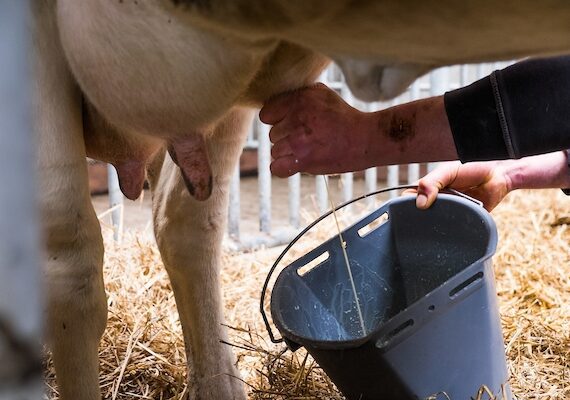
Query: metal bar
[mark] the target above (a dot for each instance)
(371, 183)
(264, 176)
(116, 202)
(294, 183)
(413, 173)
(347, 182)
(20, 293)
(464, 75)
(480, 71)
(321, 191)
(234, 212)
(439, 81)
(415, 90)
(393, 179)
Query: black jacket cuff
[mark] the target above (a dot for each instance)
(474, 122)
(519, 111)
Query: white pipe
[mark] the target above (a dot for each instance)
(264, 176)
(439, 81)
(464, 75)
(20, 293)
(415, 90)
(413, 173)
(371, 182)
(321, 191)
(393, 179)
(480, 71)
(116, 202)
(347, 182)
(234, 206)
(294, 183)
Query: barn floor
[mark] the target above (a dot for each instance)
(143, 356)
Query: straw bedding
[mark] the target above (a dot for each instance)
(142, 354)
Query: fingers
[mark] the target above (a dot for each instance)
(278, 132)
(289, 158)
(285, 166)
(276, 108)
(281, 149)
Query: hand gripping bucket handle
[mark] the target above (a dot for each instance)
(315, 222)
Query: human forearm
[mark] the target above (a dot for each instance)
(315, 131)
(538, 172)
(413, 132)
(491, 181)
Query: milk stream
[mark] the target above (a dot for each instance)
(348, 268)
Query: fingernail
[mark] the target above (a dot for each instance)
(421, 201)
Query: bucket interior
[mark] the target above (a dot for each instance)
(393, 265)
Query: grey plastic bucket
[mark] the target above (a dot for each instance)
(425, 283)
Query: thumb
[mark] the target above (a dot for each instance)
(430, 185)
(275, 109)
(427, 193)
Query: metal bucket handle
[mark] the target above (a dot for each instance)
(315, 222)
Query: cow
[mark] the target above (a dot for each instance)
(165, 90)
(186, 100)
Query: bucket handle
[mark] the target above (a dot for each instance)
(315, 222)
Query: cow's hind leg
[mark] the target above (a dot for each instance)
(76, 304)
(189, 235)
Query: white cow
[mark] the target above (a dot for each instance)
(147, 84)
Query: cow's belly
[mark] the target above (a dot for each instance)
(429, 32)
(146, 72)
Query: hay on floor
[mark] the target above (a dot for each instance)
(142, 352)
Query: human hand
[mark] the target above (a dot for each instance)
(488, 182)
(316, 131)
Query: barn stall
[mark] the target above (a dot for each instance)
(142, 353)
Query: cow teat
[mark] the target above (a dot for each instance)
(131, 177)
(374, 81)
(190, 154)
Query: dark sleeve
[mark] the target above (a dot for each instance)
(520, 111)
